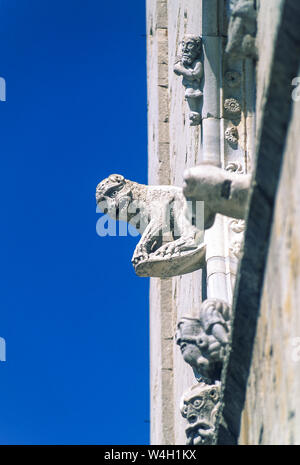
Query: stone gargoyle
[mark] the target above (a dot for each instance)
(221, 191)
(200, 405)
(170, 244)
(203, 341)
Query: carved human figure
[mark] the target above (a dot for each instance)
(199, 405)
(222, 191)
(170, 244)
(242, 30)
(203, 340)
(189, 66)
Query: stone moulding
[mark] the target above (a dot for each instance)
(189, 66)
(170, 245)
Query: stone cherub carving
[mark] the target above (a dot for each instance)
(222, 191)
(170, 245)
(189, 66)
(242, 30)
(203, 341)
(199, 406)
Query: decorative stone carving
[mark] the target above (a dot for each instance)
(235, 249)
(232, 135)
(199, 406)
(203, 341)
(234, 167)
(242, 30)
(170, 245)
(232, 78)
(237, 226)
(232, 107)
(189, 66)
(222, 191)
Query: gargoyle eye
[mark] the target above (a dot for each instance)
(184, 410)
(214, 394)
(197, 403)
(117, 178)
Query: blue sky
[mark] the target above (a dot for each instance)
(73, 313)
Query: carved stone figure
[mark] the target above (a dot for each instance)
(222, 191)
(203, 341)
(200, 405)
(170, 245)
(242, 30)
(189, 66)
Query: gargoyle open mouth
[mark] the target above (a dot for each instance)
(200, 433)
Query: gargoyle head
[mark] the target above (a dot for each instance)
(190, 48)
(203, 340)
(113, 196)
(194, 346)
(199, 405)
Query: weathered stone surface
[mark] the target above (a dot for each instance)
(274, 86)
(272, 416)
(242, 29)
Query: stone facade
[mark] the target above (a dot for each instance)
(226, 106)
(272, 408)
(220, 96)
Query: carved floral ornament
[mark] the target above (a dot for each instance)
(232, 78)
(232, 135)
(232, 107)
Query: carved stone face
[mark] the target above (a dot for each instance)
(194, 345)
(200, 350)
(191, 48)
(113, 196)
(199, 405)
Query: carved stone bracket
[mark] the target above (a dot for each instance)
(223, 191)
(200, 406)
(189, 66)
